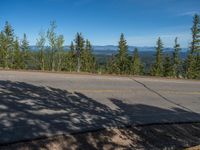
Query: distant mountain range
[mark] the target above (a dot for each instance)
(112, 49)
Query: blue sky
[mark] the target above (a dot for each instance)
(102, 21)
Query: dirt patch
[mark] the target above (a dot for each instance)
(175, 136)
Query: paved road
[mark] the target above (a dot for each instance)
(35, 104)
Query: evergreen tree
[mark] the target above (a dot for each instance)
(157, 69)
(112, 66)
(122, 56)
(71, 58)
(8, 35)
(79, 47)
(136, 64)
(195, 44)
(2, 49)
(17, 62)
(41, 47)
(197, 65)
(85, 57)
(51, 36)
(190, 66)
(176, 59)
(193, 71)
(193, 56)
(168, 67)
(88, 60)
(25, 52)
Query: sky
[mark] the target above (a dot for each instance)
(102, 21)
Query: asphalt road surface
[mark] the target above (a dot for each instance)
(36, 104)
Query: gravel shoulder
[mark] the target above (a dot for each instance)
(173, 136)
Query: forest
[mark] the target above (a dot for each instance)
(51, 55)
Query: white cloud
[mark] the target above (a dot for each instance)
(189, 13)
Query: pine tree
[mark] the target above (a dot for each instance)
(8, 35)
(41, 47)
(25, 52)
(176, 59)
(71, 58)
(167, 67)
(51, 36)
(2, 49)
(122, 56)
(195, 44)
(86, 57)
(197, 66)
(79, 47)
(136, 64)
(111, 66)
(88, 60)
(17, 62)
(157, 69)
(190, 66)
(192, 59)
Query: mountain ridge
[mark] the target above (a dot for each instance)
(114, 48)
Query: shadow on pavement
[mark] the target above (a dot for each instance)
(28, 111)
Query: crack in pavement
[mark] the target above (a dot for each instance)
(160, 95)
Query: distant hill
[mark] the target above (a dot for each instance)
(111, 49)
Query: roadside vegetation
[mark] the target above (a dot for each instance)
(51, 55)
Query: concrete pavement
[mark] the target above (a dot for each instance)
(35, 104)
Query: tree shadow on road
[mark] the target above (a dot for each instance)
(28, 111)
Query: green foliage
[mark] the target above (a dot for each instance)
(41, 47)
(59, 55)
(197, 69)
(79, 47)
(87, 59)
(112, 66)
(167, 67)
(190, 66)
(120, 63)
(2, 49)
(17, 62)
(122, 56)
(192, 62)
(195, 44)
(51, 36)
(8, 39)
(157, 69)
(136, 66)
(193, 66)
(176, 59)
(25, 52)
(70, 59)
